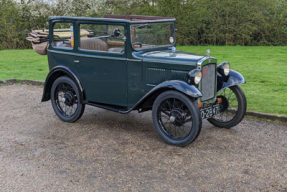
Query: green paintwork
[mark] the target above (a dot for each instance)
(120, 79)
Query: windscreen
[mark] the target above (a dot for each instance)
(152, 35)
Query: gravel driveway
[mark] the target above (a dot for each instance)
(106, 151)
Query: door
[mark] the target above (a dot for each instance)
(100, 62)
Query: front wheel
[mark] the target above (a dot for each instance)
(176, 118)
(66, 99)
(232, 108)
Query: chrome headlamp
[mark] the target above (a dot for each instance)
(223, 68)
(194, 77)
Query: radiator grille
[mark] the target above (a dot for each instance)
(208, 82)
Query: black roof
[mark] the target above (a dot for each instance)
(118, 18)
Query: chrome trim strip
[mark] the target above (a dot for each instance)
(134, 60)
(201, 61)
(168, 62)
(84, 55)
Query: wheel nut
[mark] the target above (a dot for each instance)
(172, 119)
(63, 99)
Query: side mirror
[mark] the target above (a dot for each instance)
(117, 32)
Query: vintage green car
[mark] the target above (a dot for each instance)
(124, 63)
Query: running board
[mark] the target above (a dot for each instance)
(110, 108)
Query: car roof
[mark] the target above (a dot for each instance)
(119, 18)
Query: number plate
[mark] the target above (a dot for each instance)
(209, 111)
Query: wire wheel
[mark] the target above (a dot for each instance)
(66, 99)
(232, 108)
(175, 118)
(229, 106)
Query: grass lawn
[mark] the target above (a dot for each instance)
(265, 70)
(23, 64)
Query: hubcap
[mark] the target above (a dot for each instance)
(224, 104)
(172, 119)
(66, 99)
(177, 117)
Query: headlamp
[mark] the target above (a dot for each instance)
(223, 68)
(194, 77)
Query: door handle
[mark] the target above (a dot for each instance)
(76, 61)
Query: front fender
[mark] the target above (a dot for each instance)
(234, 78)
(177, 85)
(180, 86)
(53, 75)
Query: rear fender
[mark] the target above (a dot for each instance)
(56, 72)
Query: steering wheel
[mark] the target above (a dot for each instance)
(138, 43)
(64, 40)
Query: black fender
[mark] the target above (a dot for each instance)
(180, 86)
(234, 78)
(53, 75)
(177, 85)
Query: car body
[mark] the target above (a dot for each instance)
(113, 71)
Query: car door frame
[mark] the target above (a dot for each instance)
(118, 77)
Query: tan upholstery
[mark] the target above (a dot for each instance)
(94, 44)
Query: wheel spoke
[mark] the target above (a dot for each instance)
(166, 113)
(169, 105)
(179, 126)
(232, 109)
(69, 107)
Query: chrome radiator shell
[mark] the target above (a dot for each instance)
(208, 81)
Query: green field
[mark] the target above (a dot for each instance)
(265, 70)
(23, 64)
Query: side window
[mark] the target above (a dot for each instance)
(63, 35)
(104, 38)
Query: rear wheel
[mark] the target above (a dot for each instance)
(66, 99)
(176, 118)
(232, 108)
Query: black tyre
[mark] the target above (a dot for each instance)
(66, 99)
(176, 118)
(233, 108)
